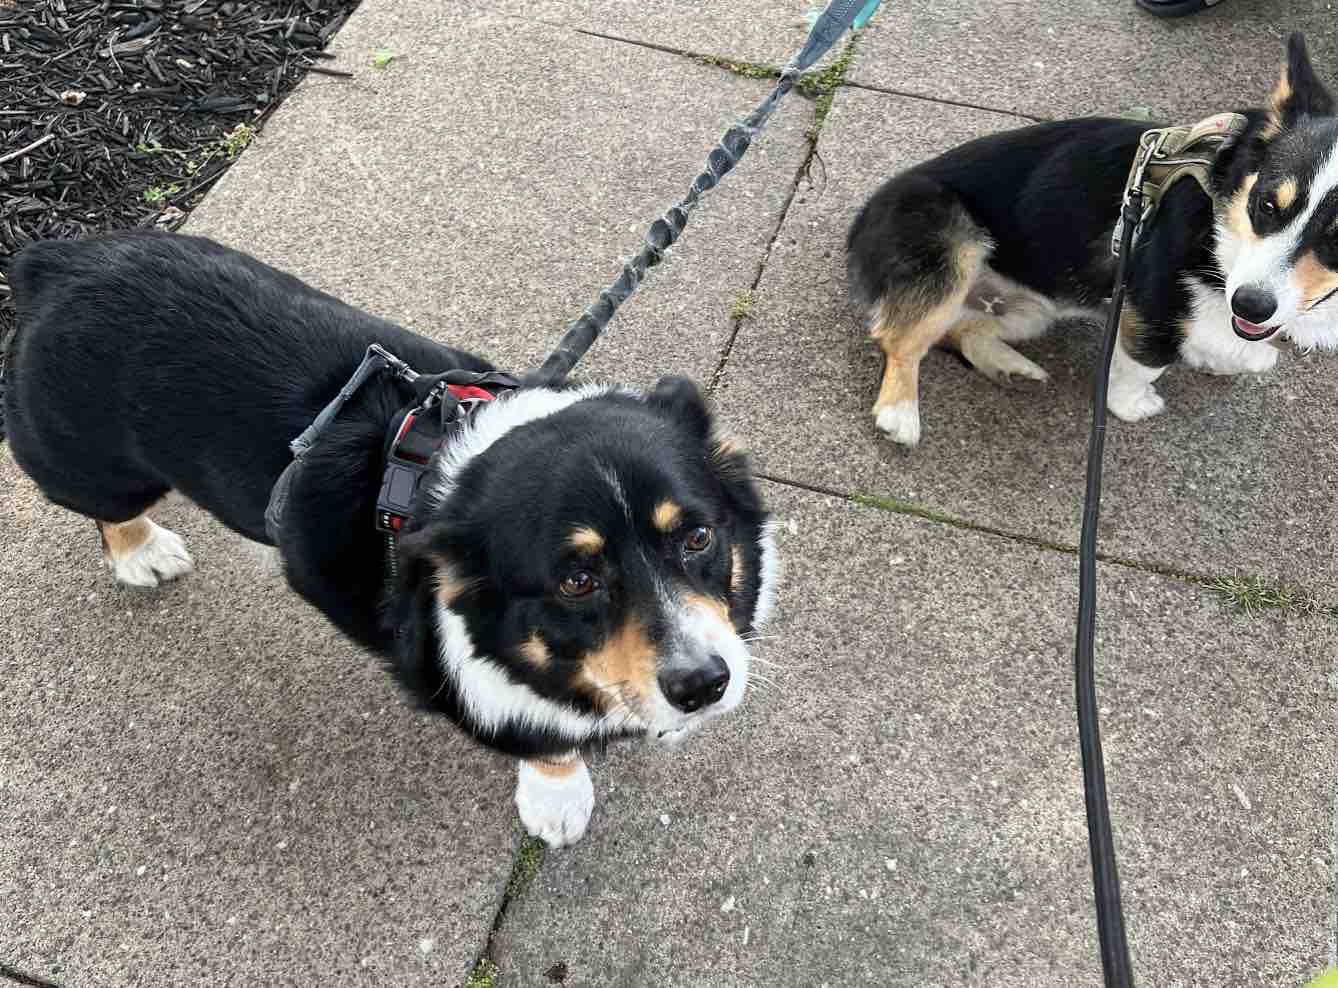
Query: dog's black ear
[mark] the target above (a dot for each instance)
(1299, 93)
(682, 400)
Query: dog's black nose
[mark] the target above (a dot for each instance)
(701, 686)
(1254, 305)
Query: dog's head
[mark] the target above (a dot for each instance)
(586, 563)
(1277, 212)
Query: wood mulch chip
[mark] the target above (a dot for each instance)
(121, 114)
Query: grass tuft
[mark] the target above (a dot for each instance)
(743, 305)
(1253, 595)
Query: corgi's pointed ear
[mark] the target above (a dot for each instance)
(1298, 92)
(683, 400)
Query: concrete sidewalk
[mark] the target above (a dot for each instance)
(206, 786)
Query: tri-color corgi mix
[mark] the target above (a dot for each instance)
(585, 562)
(997, 239)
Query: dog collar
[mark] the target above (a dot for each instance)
(1168, 154)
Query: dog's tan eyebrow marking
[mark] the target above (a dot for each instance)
(535, 652)
(667, 516)
(586, 541)
(1286, 194)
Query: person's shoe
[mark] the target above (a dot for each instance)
(1175, 8)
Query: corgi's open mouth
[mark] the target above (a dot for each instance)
(1252, 331)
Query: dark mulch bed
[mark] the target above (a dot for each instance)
(121, 114)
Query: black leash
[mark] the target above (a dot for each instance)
(1100, 840)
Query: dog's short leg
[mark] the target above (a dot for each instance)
(555, 798)
(979, 340)
(897, 410)
(1131, 396)
(907, 328)
(141, 553)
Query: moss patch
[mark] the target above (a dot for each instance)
(526, 867)
(484, 975)
(822, 86)
(749, 70)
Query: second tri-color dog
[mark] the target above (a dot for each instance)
(992, 242)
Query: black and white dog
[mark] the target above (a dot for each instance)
(584, 563)
(995, 240)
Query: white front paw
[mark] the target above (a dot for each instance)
(555, 807)
(162, 557)
(1135, 405)
(901, 422)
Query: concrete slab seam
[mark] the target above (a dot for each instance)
(1248, 595)
(529, 859)
(23, 978)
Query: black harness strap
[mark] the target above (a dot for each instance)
(415, 436)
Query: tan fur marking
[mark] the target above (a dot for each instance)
(725, 447)
(586, 540)
(712, 605)
(736, 571)
(1286, 194)
(667, 516)
(907, 334)
(556, 768)
(1238, 210)
(1131, 328)
(623, 668)
(121, 539)
(1313, 279)
(535, 652)
(450, 587)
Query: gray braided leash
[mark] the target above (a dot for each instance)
(839, 17)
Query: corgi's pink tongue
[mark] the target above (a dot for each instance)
(1251, 331)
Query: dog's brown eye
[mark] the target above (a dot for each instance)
(1268, 207)
(698, 539)
(577, 584)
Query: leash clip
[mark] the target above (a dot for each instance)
(1149, 147)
